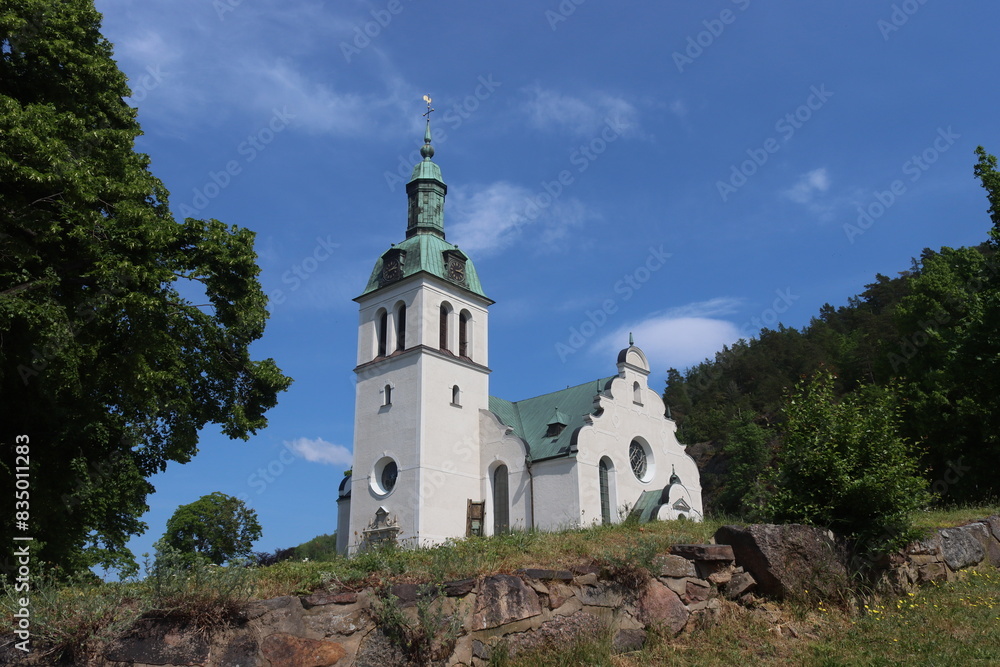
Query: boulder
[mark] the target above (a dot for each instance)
(742, 582)
(627, 640)
(503, 599)
(560, 631)
(703, 552)
(285, 649)
(660, 606)
(960, 546)
(161, 643)
(669, 565)
(994, 523)
(788, 560)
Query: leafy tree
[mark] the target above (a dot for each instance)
(844, 466)
(321, 548)
(749, 451)
(106, 367)
(215, 527)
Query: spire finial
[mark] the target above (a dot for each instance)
(630, 341)
(427, 151)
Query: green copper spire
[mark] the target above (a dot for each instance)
(426, 190)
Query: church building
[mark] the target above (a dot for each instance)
(437, 458)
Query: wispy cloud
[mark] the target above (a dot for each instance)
(489, 219)
(680, 337)
(808, 185)
(551, 110)
(319, 450)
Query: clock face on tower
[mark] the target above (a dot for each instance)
(456, 270)
(391, 270)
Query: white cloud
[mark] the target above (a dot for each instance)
(808, 185)
(319, 450)
(678, 338)
(489, 219)
(547, 109)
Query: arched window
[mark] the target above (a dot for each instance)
(456, 395)
(501, 503)
(401, 327)
(443, 329)
(382, 325)
(605, 473)
(387, 398)
(636, 393)
(463, 334)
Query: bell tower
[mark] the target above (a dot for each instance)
(422, 379)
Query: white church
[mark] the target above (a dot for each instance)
(437, 458)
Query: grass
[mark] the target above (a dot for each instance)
(76, 619)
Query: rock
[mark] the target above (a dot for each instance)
(703, 552)
(502, 599)
(961, 548)
(480, 650)
(994, 523)
(660, 606)
(628, 640)
(282, 614)
(545, 575)
(924, 559)
(328, 624)
(319, 599)
(696, 590)
(240, 650)
(558, 595)
(589, 579)
(930, 546)
(669, 565)
(721, 577)
(788, 559)
(932, 572)
(459, 588)
(742, 582)
(560, 631)
(285, 649)
(152, 641)
(377, 650)
(585, 568)
(602, 594)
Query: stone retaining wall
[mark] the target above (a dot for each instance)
(469, 619)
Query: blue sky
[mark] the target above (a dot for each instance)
(689, 172)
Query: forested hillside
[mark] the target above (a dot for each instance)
(930, 336)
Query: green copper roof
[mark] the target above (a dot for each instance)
(648, 505)
(531, 417)
(424, 253)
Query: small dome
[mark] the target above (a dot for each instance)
(345, 487)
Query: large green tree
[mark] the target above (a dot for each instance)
(215, 527)
(106, 368)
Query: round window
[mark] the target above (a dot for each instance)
(383, 477)
(637, 457)
(388, 476)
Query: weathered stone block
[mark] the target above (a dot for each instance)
(742, 582)
(721, 577)
(960, 547)
(924, 559)
(669, 565)
(628, 640)
(788, 559)
(932, 572)
(330, 624)
(560, 631)
(994, 523)
(285, 649)
(602, 594)
(502, 599)
(319, 599)
(696, 590)
(459, 588)
(704, 552)
(660, 606)
(545, 575)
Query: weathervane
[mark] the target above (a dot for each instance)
(427, 98)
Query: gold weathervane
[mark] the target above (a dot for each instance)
(427, 98)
